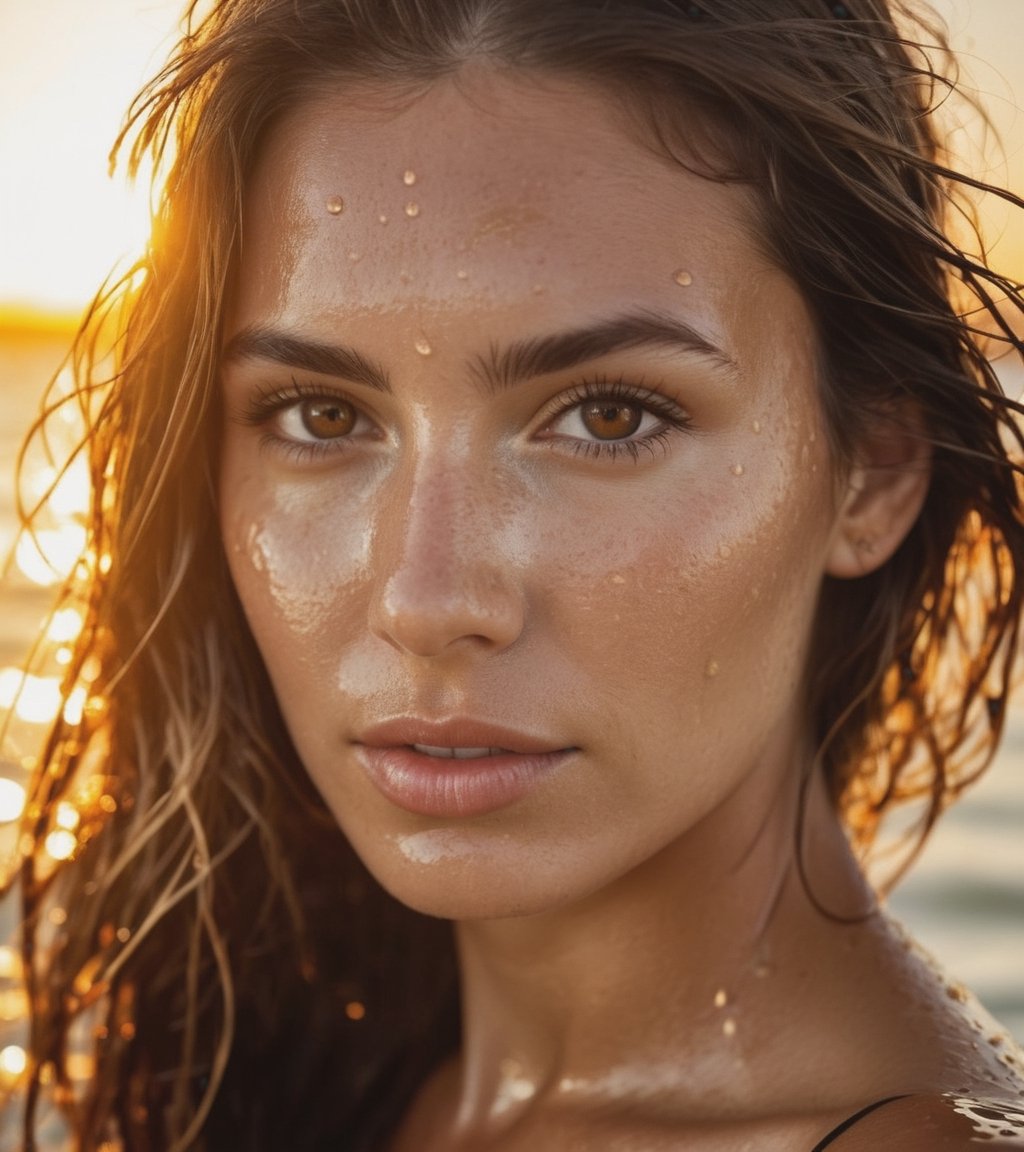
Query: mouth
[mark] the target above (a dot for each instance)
(459, 753)
(456, 769)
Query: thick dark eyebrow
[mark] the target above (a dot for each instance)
(261, 343)
(505, 367)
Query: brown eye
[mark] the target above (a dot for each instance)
(607, 421)
(327, 419)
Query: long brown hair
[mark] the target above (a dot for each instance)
(243, 980)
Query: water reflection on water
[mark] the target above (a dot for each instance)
(964, 900)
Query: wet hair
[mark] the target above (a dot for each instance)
(238, 976)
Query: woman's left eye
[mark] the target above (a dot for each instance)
(607, 418)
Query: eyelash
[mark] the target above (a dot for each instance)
(619, 390)
(266, 404)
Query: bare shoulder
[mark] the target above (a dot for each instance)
(936, 1123)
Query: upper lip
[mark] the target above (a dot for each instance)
(456, 732)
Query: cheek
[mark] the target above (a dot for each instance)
(296, 562)
(698, 609)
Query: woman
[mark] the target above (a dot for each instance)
(553, 483)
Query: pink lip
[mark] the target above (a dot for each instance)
(449, 788)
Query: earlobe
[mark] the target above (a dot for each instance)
(884, 493)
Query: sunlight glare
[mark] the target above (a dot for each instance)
(70, 70)
(12, 801)
(35, 699)
(65, 626)
(13, 1060)
(60, 844)
(49, 556)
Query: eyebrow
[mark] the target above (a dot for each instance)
(263, 343)
(502, 367)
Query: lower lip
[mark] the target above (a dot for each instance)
(450, 788)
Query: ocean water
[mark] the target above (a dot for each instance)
(964, 900)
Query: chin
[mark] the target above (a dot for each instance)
(442, 873)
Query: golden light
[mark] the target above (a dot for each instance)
(35, 699)
(67, 816)
(13, 1060)
(64, 96)
(13, 1004)
(60, 844)
(49, 556)
(12, 801)
(65, 625)
(10, 963)
(75, 704)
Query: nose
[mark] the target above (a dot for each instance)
(445, 582)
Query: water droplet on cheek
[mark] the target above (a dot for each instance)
(729, 1027)
(683, 278)
(382, 218)
(462, 274)
(423, 347)
(412, 209)
(409, 177)
(721, 998)
(757, 427)
(711, 671)
(335, 205)
(737, 469)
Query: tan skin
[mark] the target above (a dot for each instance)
(620, 559)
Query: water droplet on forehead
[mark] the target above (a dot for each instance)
(409, 177)
(335, 205)
(757, 427)
(711, 671)
(729, 1027)
(423, 346)
(412, 209)
(462, 274)
(382, 218)
(721, 998)
(683, 278)
(737, 469)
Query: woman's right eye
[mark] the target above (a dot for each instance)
(317, 420)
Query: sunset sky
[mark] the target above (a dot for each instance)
(68, 69)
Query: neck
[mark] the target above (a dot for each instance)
(648, 987)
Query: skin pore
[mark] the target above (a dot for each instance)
(522, 430)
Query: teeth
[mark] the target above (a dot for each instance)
(457, 753)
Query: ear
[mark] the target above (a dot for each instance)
(883, 494)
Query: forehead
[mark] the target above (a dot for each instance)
(480, 186)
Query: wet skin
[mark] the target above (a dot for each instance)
(617, 559)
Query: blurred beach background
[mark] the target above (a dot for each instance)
(67, 72)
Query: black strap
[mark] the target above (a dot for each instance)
(851, 1120)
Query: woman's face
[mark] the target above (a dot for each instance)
(522, 457)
